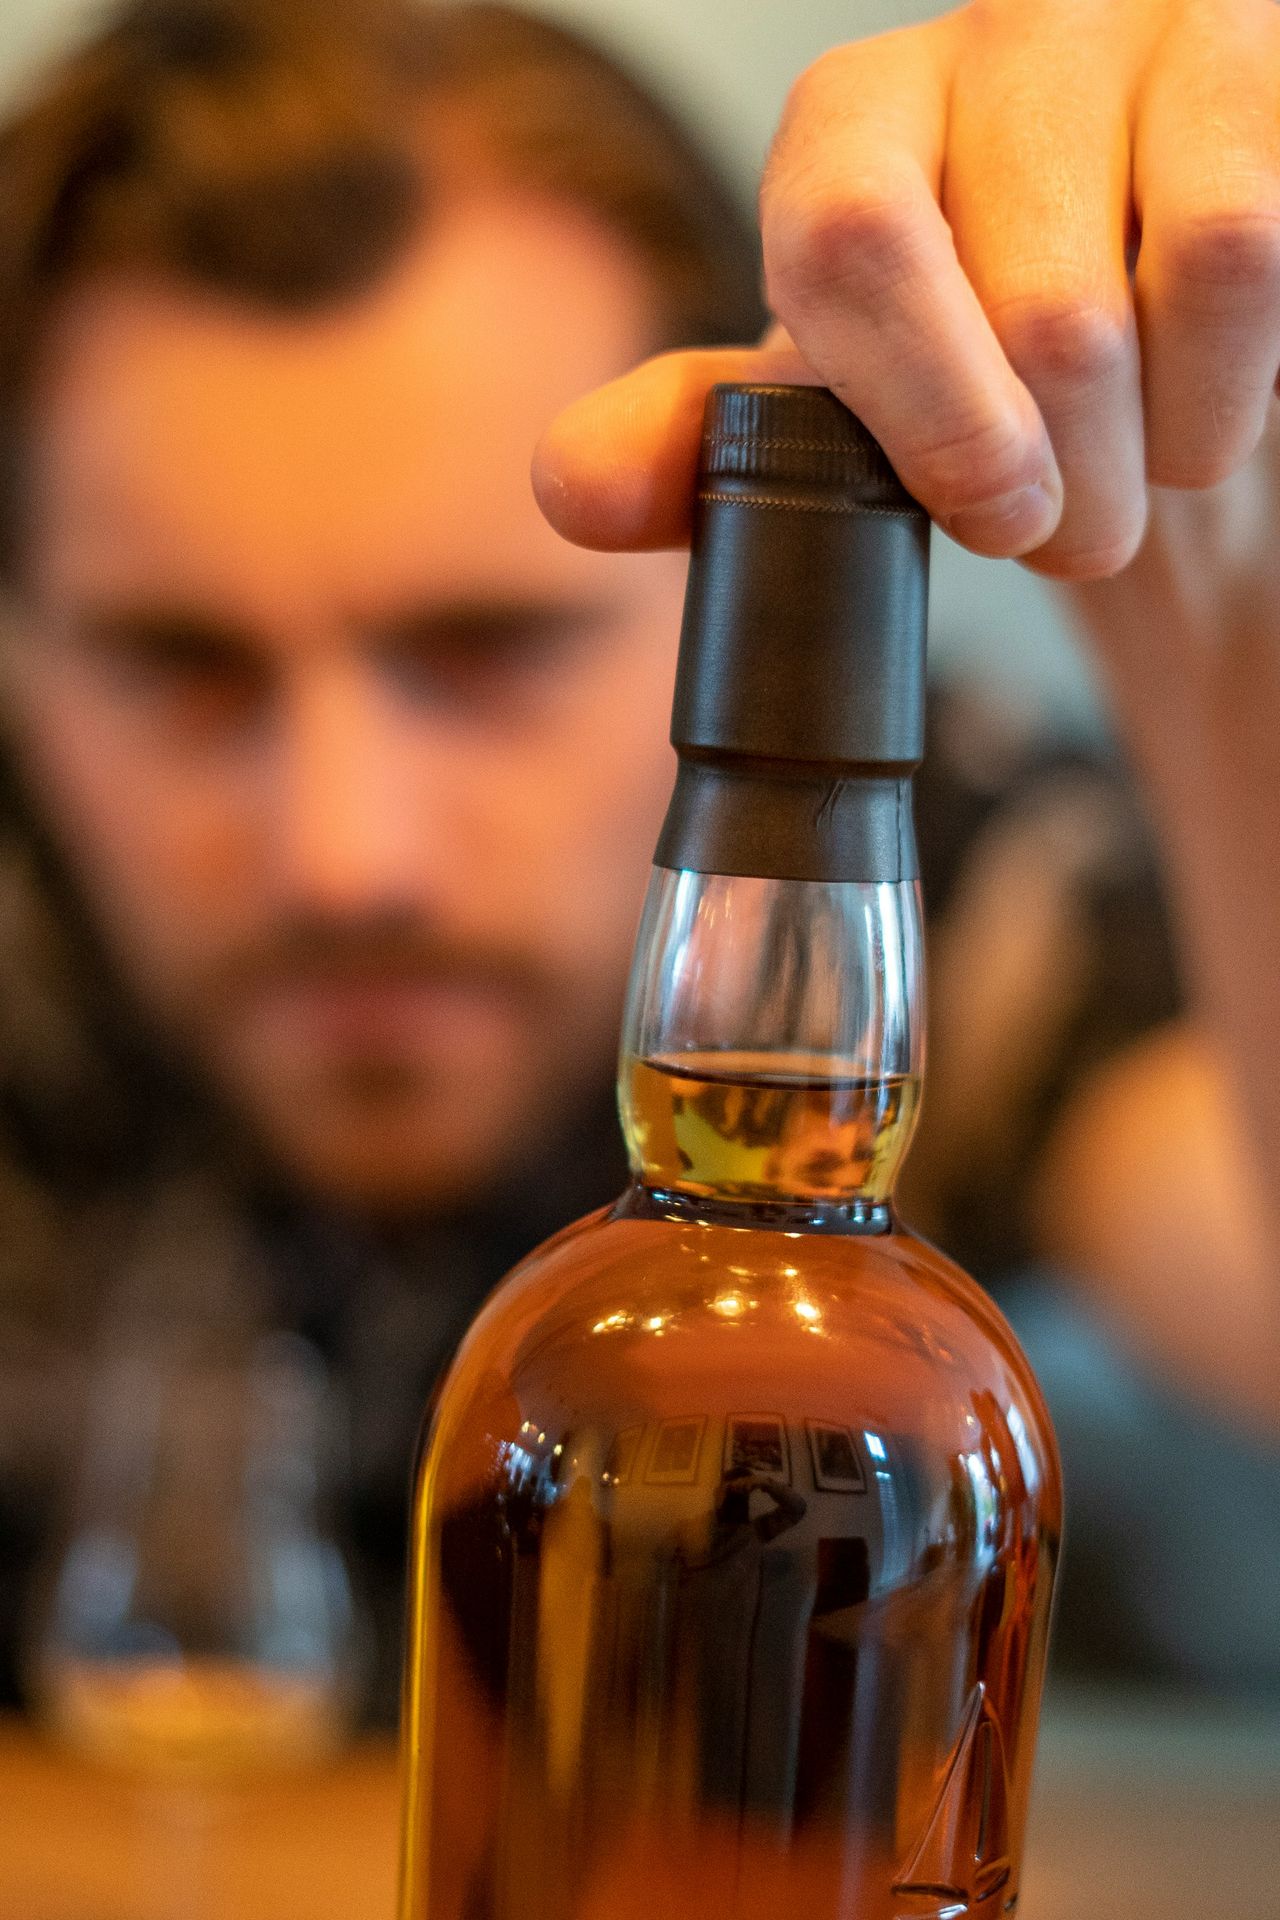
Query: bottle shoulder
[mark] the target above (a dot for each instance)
(627, 1310)
(607, 1266)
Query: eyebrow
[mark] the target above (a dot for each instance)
(174, 630)
(446, 625)
(455, 624)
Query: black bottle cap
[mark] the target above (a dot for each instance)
(799, 704)
(804, 437)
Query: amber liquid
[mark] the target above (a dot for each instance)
(733, 1549)
(741, 1125)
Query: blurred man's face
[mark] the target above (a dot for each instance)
(359, 765)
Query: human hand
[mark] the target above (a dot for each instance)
(950, 214)
(744, 1480)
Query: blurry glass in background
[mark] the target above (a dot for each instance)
(199, 1619)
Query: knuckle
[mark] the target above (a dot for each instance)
(844, 239)
(1193, 469)
(1213, 434)
(1229, 252)
(819, 88)
(1099, 560)
(1063, 339)
(822, 98)
(816, 110)
(978, 462)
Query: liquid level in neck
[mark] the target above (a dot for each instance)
(733, 1124)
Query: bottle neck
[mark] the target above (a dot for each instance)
(773, 1040)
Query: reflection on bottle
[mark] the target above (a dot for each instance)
(772, 1640)
(572, 1565)
(741, 1636)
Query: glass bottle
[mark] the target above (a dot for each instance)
(736, 1521)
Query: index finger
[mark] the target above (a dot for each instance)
(616, 470)
(862, 270)
(898, 332)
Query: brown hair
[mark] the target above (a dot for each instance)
(283, 152)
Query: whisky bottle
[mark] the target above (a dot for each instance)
(737, 1514)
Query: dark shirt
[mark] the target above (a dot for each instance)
(1038, 880)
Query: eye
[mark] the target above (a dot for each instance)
(478, 656)
(201, 676)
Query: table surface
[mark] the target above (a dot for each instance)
(1143, 1812)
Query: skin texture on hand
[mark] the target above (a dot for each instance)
(1034, 244)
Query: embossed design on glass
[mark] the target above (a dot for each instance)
(961, 1865)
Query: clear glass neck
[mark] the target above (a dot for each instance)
(773, 1041)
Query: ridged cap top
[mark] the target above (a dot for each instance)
(761, 439)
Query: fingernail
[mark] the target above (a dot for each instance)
(1010, 524)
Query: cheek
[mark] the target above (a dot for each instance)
(155, 848)
(585, 811)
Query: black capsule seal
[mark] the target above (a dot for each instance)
(799, 702)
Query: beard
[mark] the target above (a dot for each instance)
(390, 1070)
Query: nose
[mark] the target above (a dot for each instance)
(346, 840)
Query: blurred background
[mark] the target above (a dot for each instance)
(233, 1305)
(734, 96)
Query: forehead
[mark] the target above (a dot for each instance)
(378, 444)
